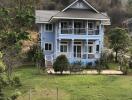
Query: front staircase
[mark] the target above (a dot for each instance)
(48, 61)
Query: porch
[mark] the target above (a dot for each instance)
(79, 50)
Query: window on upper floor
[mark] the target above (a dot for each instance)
(48, 27)
(90, 25)
(48, 46)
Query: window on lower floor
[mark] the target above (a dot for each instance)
(48, 46)
(97, 48)
(90, 49)
(63, 47)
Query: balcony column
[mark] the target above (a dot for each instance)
(87, 27)
(59, 27)
(72, 26)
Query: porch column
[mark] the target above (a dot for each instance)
(72, 48)
(59, 45)
(87, 48)
(72, 26)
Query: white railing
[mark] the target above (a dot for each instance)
(79, 31)
(83, 55)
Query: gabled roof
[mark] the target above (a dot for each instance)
(79, 9)
(80, 14)
(88, 5)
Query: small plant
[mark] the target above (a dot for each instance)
(17, 81)
(61, 64)
(15, 95)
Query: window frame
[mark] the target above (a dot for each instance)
(92, 26)
(64, 44)
(48, 46)
(48, 27)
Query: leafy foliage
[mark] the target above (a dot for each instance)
(119, 40)
(61, 64)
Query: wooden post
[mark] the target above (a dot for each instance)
(30, 94)
(57, 94)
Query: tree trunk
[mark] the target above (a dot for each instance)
(61, 72)
(116, 57)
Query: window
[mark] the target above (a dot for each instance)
(48, 46)
(97, 48)
(64, 47)
(48, 27)
(90, 26)
(90, 49)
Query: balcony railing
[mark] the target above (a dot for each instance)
(79, 31)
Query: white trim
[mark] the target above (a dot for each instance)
(78, 18)
(51, 46)
(69, 6)
(91, 6)
(84, 2)
(61, 44)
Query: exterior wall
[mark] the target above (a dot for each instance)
(47, 37)
(55, 37)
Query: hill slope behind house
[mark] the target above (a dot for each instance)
(33, 40)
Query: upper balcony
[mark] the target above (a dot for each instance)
(79, 29)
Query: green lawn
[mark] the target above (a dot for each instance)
(74, 87)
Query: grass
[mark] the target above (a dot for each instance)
(72, 87)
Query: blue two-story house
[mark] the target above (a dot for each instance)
(77, 32)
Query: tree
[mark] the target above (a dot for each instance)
(129, 7)
(119, 40)
(61, 64)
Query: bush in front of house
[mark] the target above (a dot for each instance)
(89, 65)
(61, 64)
(76, 66)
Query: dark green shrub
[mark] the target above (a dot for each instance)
(17, 81)
(2, 95)
(61, 64)
(130, 64)
(76, 66)
(89, 65)
(15, 95)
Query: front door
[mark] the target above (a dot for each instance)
(77, 51)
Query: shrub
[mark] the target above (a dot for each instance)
(2, 95)
(61, 64)
(17, 81)
(130, 64)
(76, 66)
(89, 65)
(15, 95)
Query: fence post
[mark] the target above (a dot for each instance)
(57, 94)
(30, 94)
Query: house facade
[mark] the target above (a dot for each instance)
(77, 32)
